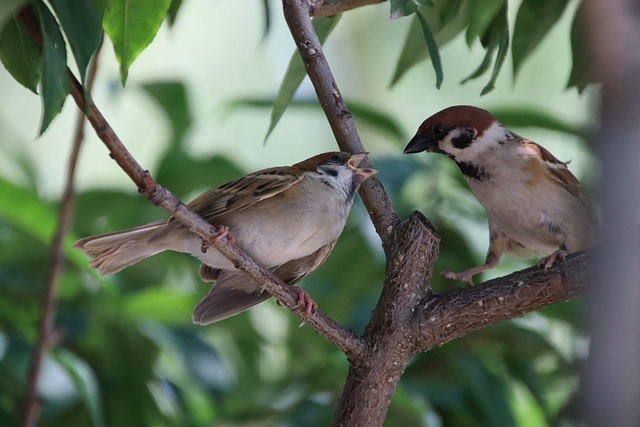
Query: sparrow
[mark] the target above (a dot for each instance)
(286, 218)
(534, 204)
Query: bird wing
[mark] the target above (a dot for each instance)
(235, 292)
(560, 174)
(246, 191)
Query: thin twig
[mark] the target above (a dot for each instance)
(374, 196)
(342, 338)
(32, 403)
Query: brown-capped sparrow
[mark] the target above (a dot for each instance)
(533, 203)
(286, 218)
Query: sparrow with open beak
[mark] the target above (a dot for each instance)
(286, 218)
(533, 203)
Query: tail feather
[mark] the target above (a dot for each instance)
(111, 252)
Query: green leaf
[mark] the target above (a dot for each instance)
(55, 81)
(413, 51)
(20, 54)
(85, 383)
(400, 8)
(503, 50)
(481, 14)
(82, 26)
(267, 17)
(483, 67)
(534, 20)
(296, 72)
(434, 54)
(9, 8)
(172, 13)
(173, 98)
(581, 68)
(132, 25)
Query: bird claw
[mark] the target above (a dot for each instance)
(547, 262)
(304, 300)
(465, 276)
(222, 231)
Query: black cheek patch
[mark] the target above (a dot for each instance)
(474, 172)
(463, 140)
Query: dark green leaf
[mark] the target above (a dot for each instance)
(413, 51)
(486, 391)
(400, 8)
(55, 81)
(85, 383)
(19, 54)
(534, 20)
(172, 13)
(296, 72)
(481, 14)
(8, 8)
(267, 17)
(173, 98)
(132, 25)
(503, 50)
(581, 68)
(432, 46)
(82, 26)
(483, 67)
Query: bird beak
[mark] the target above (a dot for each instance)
(361, 173)
(419, 143)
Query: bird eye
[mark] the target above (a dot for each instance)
(438, 130)
(335, 158)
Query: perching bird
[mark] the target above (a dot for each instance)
(533, 203)
(286, 218)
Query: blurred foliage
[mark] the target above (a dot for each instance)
(125, 351)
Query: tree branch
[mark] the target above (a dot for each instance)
(65, 213)
(375, 198)
(441, 318)
(342, 338)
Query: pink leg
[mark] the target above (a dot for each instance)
(305, 301)
(467, 275)
(222, 231)
(547, 262)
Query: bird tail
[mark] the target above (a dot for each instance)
(111, 252)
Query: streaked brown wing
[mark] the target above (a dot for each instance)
(295, 270)
(234, 291)
(559, 173)
(244, 192)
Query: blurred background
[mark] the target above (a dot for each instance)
(195, 112)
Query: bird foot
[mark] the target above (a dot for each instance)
(465, 276)
(222, 231)
(305, 301)
(547, 262)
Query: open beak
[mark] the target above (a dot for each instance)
(361, 173)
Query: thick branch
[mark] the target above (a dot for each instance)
(342, 338)
(373, 379)
(441, 318)
(375, 198)
(332, 7)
